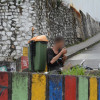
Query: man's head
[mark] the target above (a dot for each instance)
(59, 42)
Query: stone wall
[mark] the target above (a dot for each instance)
(61, 21)
(52, 18)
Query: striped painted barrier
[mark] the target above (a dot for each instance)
(29, 86)
(83, 86)
(38, 87)
(55, 85)
(70, 88)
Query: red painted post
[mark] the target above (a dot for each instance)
(24, 62)
(70, 88)
(3, 86)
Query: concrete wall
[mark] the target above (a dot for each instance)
(29, 86)
(48, 17)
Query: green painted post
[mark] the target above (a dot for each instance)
(83, 88)
(20, 86)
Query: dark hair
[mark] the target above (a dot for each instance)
(58, 39)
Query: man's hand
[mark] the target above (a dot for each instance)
(64, 51)
(64, 58)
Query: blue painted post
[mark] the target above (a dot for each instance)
(55, 87)
(99, 89)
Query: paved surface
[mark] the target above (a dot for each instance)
(91, 57)
(78, 47)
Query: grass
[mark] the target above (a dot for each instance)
(76, 70)
(80, 71)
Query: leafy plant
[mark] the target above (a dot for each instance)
(76, 70)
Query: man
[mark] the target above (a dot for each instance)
(56, 54)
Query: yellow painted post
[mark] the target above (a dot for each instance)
(25, 51)
(93, 88)
(46, 68)
(38, 89)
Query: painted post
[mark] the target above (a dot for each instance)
(25, 51)
(93, 88)
(83, 88)
(99, 89)
(3, 86)
(55, 87)
(20, 86)
(24, 63)
(70, 87)
(38, 87)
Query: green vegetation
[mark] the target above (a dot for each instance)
(76, 70)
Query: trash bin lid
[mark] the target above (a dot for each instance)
(39, 38)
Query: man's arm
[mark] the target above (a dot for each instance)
(54, 59)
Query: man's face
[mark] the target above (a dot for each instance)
(60, 44)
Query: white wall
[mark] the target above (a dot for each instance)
(87, 6)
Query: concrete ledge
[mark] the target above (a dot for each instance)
(29, 86)
(78, 47)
